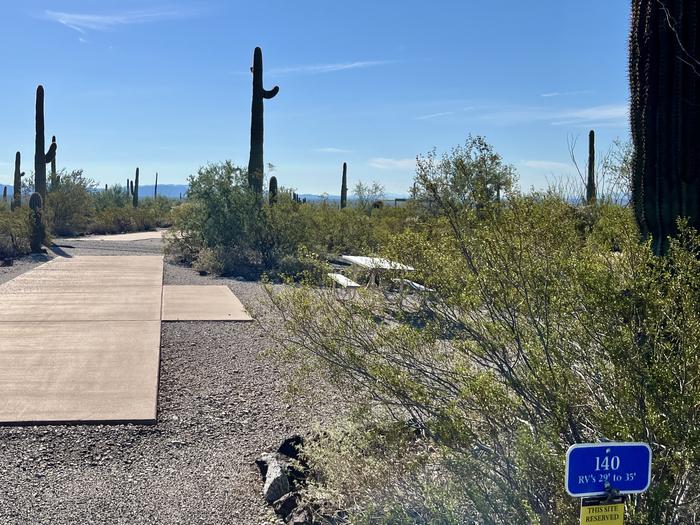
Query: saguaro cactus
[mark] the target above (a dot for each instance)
(590, 182)
(135, 190)
(255, 162)
(665, 114)
(272, 194)
(54, 176)
(155, 188)
(4, 194)
(344, 187)
(41, 159)
(38, 232)
(17, 188)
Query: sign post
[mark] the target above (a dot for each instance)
(602, 474)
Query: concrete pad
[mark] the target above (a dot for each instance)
(123, 237)
(96, 304)
(202, 303)
(80, 341)
(59, 372)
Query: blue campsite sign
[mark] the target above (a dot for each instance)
(595, 469)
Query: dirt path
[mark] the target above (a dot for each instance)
(220, 404)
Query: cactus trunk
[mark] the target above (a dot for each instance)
(54, 176)
(255, 162)
(17, 188)
(590, 183)
(344, 187)
(39, 145)
(272, 194)
(135, 190)
(38, 231)
(155, 188)
(665, 115)
(41, 159)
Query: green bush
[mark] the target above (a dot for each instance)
(15, 230)
(541, 334)
(69, 204)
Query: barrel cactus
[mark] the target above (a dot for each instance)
(255, 162)
(38, 233)
(272, 194)
(17, 188)
(41, 159)
(344, 187)
(665, 114)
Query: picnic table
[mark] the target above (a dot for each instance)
(375, 265)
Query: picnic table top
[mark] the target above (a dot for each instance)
(375, 263)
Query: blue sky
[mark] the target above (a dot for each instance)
(166, 85)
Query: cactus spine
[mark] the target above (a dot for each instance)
(17, 188)
(255, 162)
(344, 187)
(590, 183)
(665, 96)
(155, 188)
(38, 232)
(41, 159)
(272, 195)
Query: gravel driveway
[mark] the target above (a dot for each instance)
(221, 403)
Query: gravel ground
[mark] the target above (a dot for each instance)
(221, 403)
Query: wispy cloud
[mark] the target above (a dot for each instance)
(83, 22)
(610, 115)
(566, 93)
(326, 68)
(392, 164)
(332, 150)
(547, 165)
(435, 115)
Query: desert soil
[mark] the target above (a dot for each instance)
(223, 400)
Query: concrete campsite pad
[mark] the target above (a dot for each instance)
(80, 341)
(81, 371)
(120, 237)
(202, 303)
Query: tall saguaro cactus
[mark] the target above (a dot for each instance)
(255, 162)
(17, 188)
(665, 112)
(344, 187)
(155, 188)
(135, 190)
(54, 176)
(41, 159)
(590, 182)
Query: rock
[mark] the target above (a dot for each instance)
(276, 482)
(300, 516)
(262, 462)
(286, 504)
(291, 446)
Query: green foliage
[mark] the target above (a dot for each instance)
(70, 204)
(14, 232)
(223, 215)
(546, 329)
(115, 196)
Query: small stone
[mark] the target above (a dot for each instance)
(276, 482)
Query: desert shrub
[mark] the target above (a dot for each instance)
(208, 261)
(540, 335)
(69, 204)
(115, 196)
(14, 232)
(122, 220)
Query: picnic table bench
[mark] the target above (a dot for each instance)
(375, 265)
(346, 283)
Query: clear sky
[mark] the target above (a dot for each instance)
(166, 85)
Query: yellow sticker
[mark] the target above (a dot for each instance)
(613, 514)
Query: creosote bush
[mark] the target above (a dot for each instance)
(542, 333)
